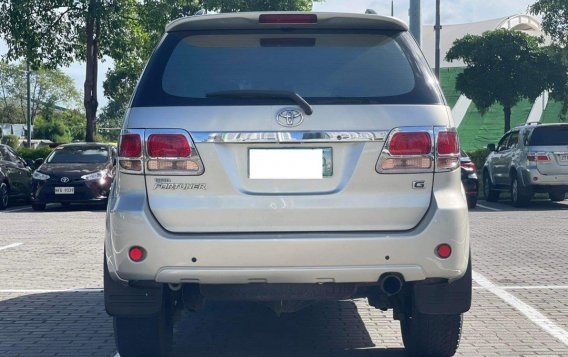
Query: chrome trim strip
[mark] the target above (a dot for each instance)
(277, 137)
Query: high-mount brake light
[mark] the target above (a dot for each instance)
(130, 152)
(288, 19)
(168, 145)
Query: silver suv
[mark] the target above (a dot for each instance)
(288, 158)
(528, 159)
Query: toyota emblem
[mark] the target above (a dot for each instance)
(289, 117)
(65, 179)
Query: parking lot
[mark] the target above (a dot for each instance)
(51, 300)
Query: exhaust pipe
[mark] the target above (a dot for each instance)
(390, 283)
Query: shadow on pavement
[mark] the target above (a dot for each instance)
(75, 324)
(243, 329)
(535, 205)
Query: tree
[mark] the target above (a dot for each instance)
(47, 86)
(503, 66)
(57, 32)
(555, 24)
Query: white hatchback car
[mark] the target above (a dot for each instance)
(288, 158)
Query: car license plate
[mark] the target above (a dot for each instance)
(563, 157)
(64, 190)
(290, 164)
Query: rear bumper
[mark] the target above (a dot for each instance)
(340, 257)
(533, 177)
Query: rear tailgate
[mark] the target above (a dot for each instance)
(349, 196)
(550, 146)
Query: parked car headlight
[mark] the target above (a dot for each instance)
(95, 175)
(39, 176)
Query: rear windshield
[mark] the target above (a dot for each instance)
(92, 155)
(550, 135)
(324, 68)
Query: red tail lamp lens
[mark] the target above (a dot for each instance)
(410, 144)
(168, 145)
(130, 145)
(136, 254)
(448, 143)
(469, 166)
(444, 251)
(288, 19)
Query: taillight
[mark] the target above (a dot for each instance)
(447, 149)
(469, 166)
(538, 156)
(403, 143)
(130, 151)
(130, 146)
(168, 145)
(448, 143)
(407, 150)
(171, 151)
(288, 19)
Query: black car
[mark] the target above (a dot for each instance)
(15, 177)
(469, 179)
(74, 173)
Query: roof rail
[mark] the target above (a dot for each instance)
(534, 123)
(370, 12)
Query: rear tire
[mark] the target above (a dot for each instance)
(519, 195)
(490, 194)
(38, 206)
(431, 335)
(557, 196)
(4, 198)
(471, 202)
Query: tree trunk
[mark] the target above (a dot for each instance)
(90, 86)
(507, 111)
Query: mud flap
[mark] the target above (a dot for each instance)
(131, 301)
(437, 297)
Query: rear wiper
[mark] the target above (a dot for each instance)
(295, 97)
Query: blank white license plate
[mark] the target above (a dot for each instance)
(563, 157)
(285, 164)
(64, 190)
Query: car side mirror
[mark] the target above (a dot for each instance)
(491, 147)
(38, 162)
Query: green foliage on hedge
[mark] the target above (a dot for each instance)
(33, 154)
(11, 140)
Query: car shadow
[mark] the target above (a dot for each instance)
(248, 329)
(75, 323)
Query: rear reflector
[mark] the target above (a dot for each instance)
(444, 251)
(168, 145)
(136, 254)
(410, 143)
(448, 143)
(288, 19)
(130, 146)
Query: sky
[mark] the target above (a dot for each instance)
(452, 12)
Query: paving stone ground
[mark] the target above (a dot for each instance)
(62, 249)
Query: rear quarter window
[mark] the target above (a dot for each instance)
(324, 68)
(549, 136)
